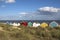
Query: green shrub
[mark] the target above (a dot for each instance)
(29, 33)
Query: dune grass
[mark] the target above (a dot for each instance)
(28, 33)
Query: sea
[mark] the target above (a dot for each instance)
(39, 21)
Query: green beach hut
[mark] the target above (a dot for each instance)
(30, 24)
(53, 24)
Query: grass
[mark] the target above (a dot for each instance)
(28, 33)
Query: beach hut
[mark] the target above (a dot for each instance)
(53, 24)
(30, 24)
(18, 24)
(24, 24)
(44, 25)
(36, 24)
(15, 24)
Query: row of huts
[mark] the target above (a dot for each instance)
(36, 24)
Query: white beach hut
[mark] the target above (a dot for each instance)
(15, 24)
(36, 24)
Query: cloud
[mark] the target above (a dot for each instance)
(37, 15)
(10, 1)
(48, 13)
(44, 13)
(23, 13)
(49, 9)
(1, 0)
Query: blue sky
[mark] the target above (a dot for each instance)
(21, 9)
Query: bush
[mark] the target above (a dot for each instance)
(29, 33)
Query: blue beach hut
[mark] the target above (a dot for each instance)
(53, 24)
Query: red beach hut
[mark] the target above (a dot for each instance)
(24, 24)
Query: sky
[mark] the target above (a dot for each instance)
(29, 9)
